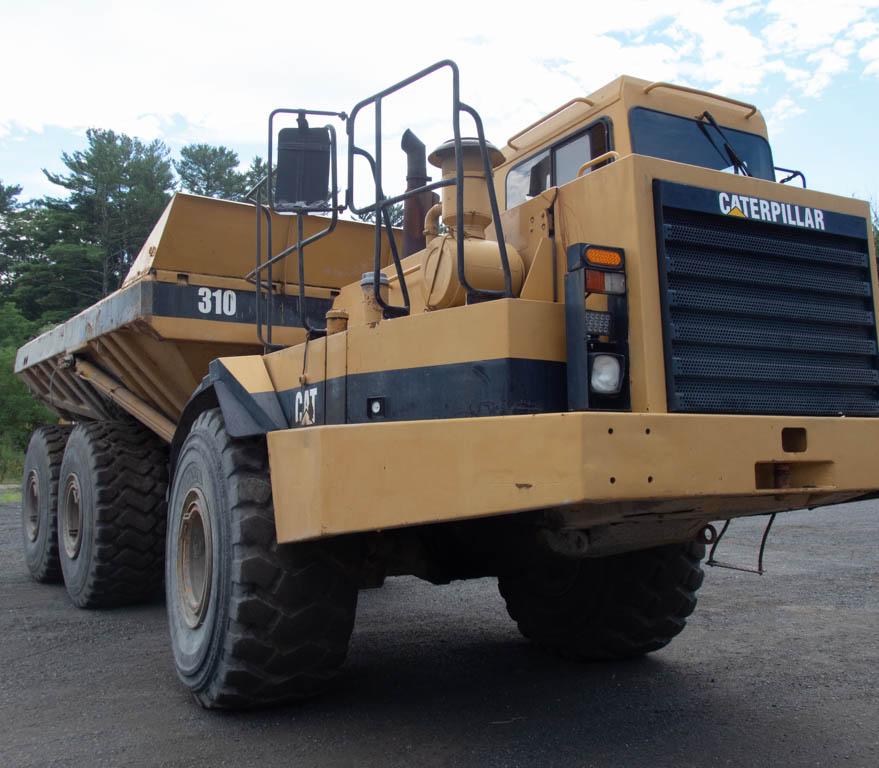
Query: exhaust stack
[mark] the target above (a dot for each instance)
(415, 208)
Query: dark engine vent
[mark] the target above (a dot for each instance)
(763, 317)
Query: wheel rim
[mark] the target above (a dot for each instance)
(71, 517)
(194, 559)
(31, 506)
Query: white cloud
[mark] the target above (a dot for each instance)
(783, 110)
(870, 55)
(211, 71)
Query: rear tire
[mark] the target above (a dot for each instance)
(111, 514)
(606, 608)
(39, 502)
(252, 622)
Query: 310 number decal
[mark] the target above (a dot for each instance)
(217, 302)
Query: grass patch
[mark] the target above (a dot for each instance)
(10, 495)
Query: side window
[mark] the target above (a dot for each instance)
(573, 153)
(528, 179)
(556, 166)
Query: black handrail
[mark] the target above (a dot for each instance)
(379, 207)
(792, 175)
(386, 219)
(301, 240)
(381, 202)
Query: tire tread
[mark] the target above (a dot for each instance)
(129, 471)
(54, 438)
(292, 606)
(619, 607)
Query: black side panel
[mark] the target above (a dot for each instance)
(767, 307)
(336, 401)
(480, 388)
(577, 341)
(198, 302)
(149, 297)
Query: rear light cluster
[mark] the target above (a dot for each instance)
(597, 341)
(605, 271)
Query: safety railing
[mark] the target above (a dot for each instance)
(557, 111)
(607, 157)
(752, 110)
(264, 191)
(381, 203)
(264, 211)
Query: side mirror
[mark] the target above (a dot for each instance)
(302, 178)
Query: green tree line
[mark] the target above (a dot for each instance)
(59, 255)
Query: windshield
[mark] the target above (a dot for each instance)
(686, 140)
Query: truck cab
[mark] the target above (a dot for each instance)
(631, 116)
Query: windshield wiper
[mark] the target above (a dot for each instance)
(737, 163)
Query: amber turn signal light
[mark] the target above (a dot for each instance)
(604, 257)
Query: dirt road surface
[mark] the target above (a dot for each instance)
(781, 670)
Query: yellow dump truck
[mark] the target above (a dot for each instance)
(577, 353)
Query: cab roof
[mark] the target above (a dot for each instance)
(614, 101)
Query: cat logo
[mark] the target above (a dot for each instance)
(305, 407)
(745, 207)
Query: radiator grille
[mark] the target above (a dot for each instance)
(764, 318)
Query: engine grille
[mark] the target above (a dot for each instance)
(762, 317)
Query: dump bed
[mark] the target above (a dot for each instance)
(185, 302)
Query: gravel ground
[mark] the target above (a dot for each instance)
(774, 671)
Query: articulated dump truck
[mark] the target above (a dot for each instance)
(576, 355)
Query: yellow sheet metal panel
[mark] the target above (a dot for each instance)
(487, 331)
(341, 479)
(287, 366)
(614, 206)
(493, 330)
(218, 332)
(621, 216)
(217, 237)
(250, 371)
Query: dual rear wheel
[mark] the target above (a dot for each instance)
(251, 621)
(93, 511)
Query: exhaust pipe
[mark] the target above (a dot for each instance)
(415, 208)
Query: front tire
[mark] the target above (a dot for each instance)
(39, 502)
(252, 621)
(605, 608)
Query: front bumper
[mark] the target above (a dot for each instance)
(601, 467)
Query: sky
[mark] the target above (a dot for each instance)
(192, 71)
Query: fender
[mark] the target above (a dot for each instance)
(242, 389)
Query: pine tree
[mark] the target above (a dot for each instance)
(211, 171)
(118, 188)
(8, 195)
(255, 174)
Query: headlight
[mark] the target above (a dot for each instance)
(607, 374)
